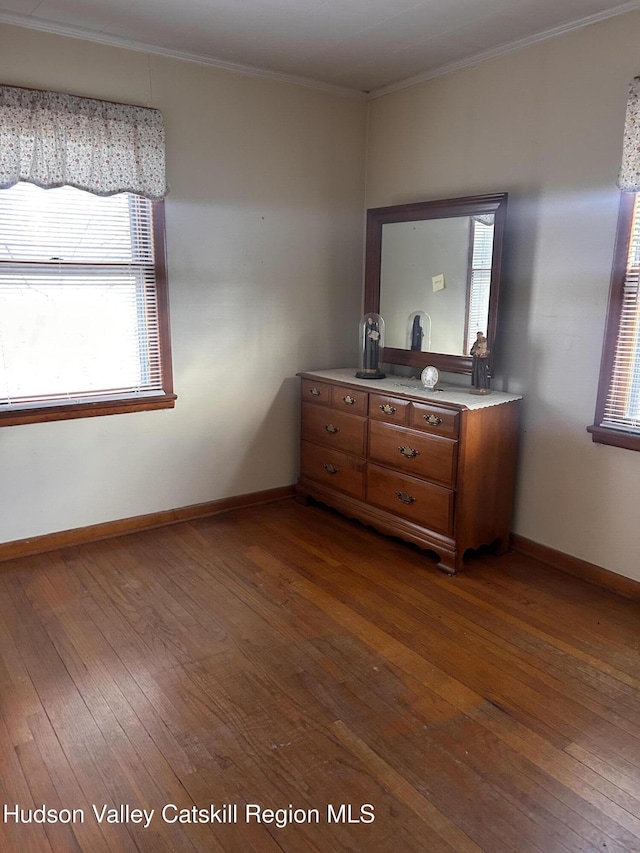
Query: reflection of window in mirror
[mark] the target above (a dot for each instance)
(480, 277)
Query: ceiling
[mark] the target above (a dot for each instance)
(355, 45)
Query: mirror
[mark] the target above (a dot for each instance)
(433, 272)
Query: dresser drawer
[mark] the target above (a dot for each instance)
(389, 409)
(349, 400)
(434, 419)
(334, 429)
(316, 392)
(414, 452)
(333, 468)
(423, 503)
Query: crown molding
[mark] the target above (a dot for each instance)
(501, 50)
(42, 25)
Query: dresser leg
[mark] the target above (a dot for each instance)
(502, 545)
(302, 496)
(450, 562)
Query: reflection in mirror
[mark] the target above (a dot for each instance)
(434, 282)
(433, 273)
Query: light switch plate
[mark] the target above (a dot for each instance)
(438, 282)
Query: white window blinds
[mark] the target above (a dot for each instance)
(622, 406)
(78, 306)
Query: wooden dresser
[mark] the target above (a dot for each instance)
(434, 468)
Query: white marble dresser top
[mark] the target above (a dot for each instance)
(458, 395)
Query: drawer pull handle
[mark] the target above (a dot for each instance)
(405, 497)
(434, 420)
(409, 452)
(387, 409)
(348, 400)
(330, 469)
(331, 428)
(314, 392)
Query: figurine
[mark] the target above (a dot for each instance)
(371, 347)
(480, 371)
(372, 342)
(417, 333)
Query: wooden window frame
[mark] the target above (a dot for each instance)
(600, 434)
(54, 411)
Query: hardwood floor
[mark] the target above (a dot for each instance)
(283, 657)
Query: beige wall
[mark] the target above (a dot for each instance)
(264, 241)
(544, 124)
(264, 230)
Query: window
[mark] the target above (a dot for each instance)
(617, 419)
(84, 326)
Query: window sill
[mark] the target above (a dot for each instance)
(40, 413)
(615, 437)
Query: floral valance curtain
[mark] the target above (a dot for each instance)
(52, 140)
(629, 177)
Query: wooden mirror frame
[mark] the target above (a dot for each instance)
(440, 209)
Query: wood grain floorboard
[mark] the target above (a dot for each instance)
(287, 657)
